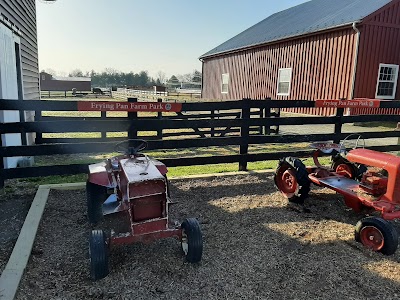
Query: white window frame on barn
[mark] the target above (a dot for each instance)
(225, 83)
(388, 79)
(283, 78)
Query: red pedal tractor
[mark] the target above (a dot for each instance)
(131, 192)
(374, 188)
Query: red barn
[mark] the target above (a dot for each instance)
(49, 82)
(321, 49)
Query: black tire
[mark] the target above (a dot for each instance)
(356, 170)
(299, 170)
(339, 163)
(98, 254)
(386, 229)
(96, 195)
(192, 240)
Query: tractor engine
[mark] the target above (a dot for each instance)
(374, 183)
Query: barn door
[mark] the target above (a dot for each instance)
(10, 86)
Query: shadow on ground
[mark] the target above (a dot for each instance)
(255, 247)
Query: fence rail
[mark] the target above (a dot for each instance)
(230, 123)
(76, 94)
(124, 94)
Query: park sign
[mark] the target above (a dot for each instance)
(353, 103)
(129, 106)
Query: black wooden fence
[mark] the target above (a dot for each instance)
(239, 123)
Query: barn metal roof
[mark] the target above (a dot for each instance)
(309, 17)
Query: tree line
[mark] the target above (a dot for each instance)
(110, 77)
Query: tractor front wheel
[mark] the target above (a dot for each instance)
(291, 179)
(377, 234)
(98, 254)
(192, 240)
(96, 195)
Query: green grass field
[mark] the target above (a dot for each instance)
(160, 154)
(174, 172)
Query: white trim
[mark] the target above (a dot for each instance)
(290, 82)
(10, 88)
(18, 41)
(396, 68)
(356, 50)
(226, 75)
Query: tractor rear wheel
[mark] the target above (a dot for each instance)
(98, 254)
(96, 195)
(291, 179)
(350, 170)
(192, 240)
(377, 234)
(343, 167)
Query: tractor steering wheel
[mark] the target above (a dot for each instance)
(131, 146)
(346, 143)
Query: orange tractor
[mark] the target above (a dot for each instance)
(367, 179)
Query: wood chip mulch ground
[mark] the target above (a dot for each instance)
(255, 247)
(13, 209)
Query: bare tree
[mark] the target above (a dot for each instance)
(194, 76)
(76, 73)
(161, 77)
(111, 71)
(50, 71)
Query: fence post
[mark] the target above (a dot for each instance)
(212, 132)
(39, 135)
(23, 131)
(339, 123)
(132, 132)
(159, 117)
(244, 133)
(276, 114)
(103, 117)
(261, 115)
(1, 165)
(267, 114)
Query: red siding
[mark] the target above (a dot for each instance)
(379, 43)
(65, 85)
(322, 67)
(48, 83)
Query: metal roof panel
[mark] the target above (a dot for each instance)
(308, 17)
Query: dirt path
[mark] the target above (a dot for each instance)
(255, 247)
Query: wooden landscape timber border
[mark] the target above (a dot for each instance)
(132, 124)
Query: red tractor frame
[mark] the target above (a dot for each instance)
(367, 179)
(131, 192)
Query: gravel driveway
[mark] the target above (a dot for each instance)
(255, 247)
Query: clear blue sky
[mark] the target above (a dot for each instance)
(133, 35)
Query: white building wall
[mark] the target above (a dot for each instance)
(9, 88)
